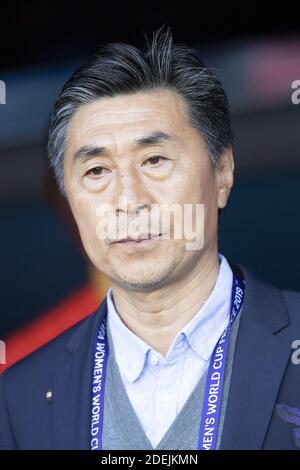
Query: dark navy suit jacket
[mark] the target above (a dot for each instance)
(263, 408)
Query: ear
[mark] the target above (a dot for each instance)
(224, 177)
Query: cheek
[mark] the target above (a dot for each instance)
(201, 189)
(195, 180)
(206, 193)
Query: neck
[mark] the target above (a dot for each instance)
(157, 316)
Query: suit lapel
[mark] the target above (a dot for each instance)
(70, 407)
(261, 357)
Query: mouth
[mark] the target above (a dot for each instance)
(149, 239)
(149, 236)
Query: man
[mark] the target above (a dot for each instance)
(188, 351)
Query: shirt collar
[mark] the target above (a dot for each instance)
(201, 333)
(130, 350)
(206, 327)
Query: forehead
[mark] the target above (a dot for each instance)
(127, 116)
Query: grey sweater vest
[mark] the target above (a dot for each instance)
(122, 429)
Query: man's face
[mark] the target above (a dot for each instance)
(123, 164)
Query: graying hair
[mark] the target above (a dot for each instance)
(118, 68)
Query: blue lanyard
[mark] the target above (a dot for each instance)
(213, 389)
(210, 416)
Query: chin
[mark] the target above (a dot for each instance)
(143, 285)
(139, 282)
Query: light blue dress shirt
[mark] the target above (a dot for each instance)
(158, 386)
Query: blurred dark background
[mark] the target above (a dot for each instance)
(256, 54)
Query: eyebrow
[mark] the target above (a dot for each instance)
(153, 138)
(89, 151)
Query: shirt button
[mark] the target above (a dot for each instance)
(154, 360)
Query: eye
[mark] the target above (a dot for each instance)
(154, 160)
(96, 171)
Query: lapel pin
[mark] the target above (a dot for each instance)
(49, 395)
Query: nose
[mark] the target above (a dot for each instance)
(131, 194)
(131, 207)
